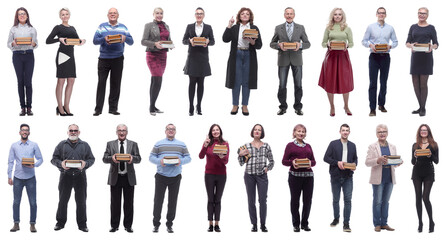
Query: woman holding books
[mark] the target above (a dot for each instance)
(258, 157)
(216, 151)
(336, 73)
(156, 55)
(66, 66)
(241, 71)
(424, 155)
(198, 36)
(299, 157)
(422, 61)
(22, 40)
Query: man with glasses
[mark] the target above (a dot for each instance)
(72, 157)
(379, 59)
(169, 155)
(121, 177)
(24, 175)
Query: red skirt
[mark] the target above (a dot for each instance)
(156, 62)
(336, 73)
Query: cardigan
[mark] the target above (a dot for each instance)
(373, 153)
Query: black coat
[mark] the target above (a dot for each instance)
(231, 35)
(197, 63)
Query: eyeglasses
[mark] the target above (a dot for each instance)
(199, 14)
(382, 132)
(73, 130)
(22, 14)
(170, 129)
(382, 13)
(121, 130)
(24, 130)
(422, 13)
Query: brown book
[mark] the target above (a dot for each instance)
(73, 163)
(423, 152)
(394, 160)
(250, 33)
(73, 41)
(27, 161)
(302, 162)
(123, 157)
(247, 156)
(381, 47)
(289, 46)
(351, 166)
(199, 41)
(337, 45)
(23, 40)
(171, 160)
(421, 47)
(220, 149)
(114, 38)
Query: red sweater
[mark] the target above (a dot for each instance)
(214, 164)
(292, 151)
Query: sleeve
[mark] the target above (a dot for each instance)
(414, 159)
(329, 155)
(286, 161)
(211, 36)
(128, 36)
(38, 156)
(226, 158)
(349, 33)
(98, 38)
(51, 38)
(75, 33)
(241, 159)
(11, 159)
(227, 35)
(434, 36)
(305, 42)
(58, 156)
(366, 39)
(11, 39)
(89, 158)
(274, 44)
(185, 157)
(145, 37)
(409, 35)
(186, 36)
(135, 153)
(393, 38)
(325, 38)
(269, 155)
(371, 159)
(258, 43)
(155, 157)
(434, 157)
(107, 158)
(355, 155)
(202, 153)
(311, 157)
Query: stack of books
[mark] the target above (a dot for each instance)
(250, 33)
(27, 161)
(337, 45)
(199, 41)
(171, 160)
(72, 41)
(302, 163)
(23, 40)
(73, 163)
(167, 44)
(114, 38)
(423, 152)
(394, 160)
(351, 166)
(421, 47)
(123, 157)
(289, 45)
(220, 149)
(381, 47)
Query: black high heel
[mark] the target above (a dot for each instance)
(191, 110)
(66, 112)
(59, 113)
(199, 110)
(420, 227)
(431, 227)
(235, 112)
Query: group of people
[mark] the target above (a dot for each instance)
(336, 75)
(170, 154)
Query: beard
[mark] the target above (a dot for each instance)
(73, 138)
(25, 138)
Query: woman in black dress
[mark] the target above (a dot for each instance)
(197, 64)
(423, 174)
(66, 66)
(421, 63)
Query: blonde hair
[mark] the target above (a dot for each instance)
(425, 8)
(331, 21)
(158, 8)
(64, 9)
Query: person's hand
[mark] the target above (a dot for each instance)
(207, 42)
(179, 163)
(131, 159)
(10, 182)
(297, 46)
(83, 41)
(266, 170)
(281, 47)
(328, 45)
(231, 22)
(63, 165)
(382, 160)
(341, 165)
(107, 40)
(33, 43)
(82, 165)
(191, 40)
(251, 41)
(158, 45)
(295, 165)
(372, 46)
(14, 43)
(114, 158)
(221, 155)
(243, 152)
(162, 162)
(207, 141)
(62, 40)
(123, 37)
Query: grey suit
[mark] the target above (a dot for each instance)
(290, 58)
(151, 35)
(121, 183)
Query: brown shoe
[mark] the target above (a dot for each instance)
(378, 229)
(388, 228)
(382, 109)
(15, 228)
(372, 113)
(32, 228)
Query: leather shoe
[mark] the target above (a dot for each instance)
(281, 112)
(296, 229)
(155, 229)
(378, 229)
(416, 111)
(97, 113)
(158, 111)
(83, 229)
(306, 228)
(217, 228)
(299, 112)
(382, 109)
(211, 228)
(29, 112)
(57, 227)
(263, 228)
(169, 229)
(388, 228)
(32, 228)
(254, 228)
(114, 112)
(334, 223)
(15, 228)
(129, 230)
(22, 112)
(372, 113)
(114, 229)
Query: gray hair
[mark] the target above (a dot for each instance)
(383, 126)
(122, 125)
(64, 9)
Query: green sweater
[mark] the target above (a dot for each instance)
(337, 35)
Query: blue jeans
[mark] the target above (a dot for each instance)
(378, 62)
(381, 196)
(347, 188)
(241, 78)
(17, 188)
(283, 78)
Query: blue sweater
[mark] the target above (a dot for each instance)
(168, 147)
(115, 50)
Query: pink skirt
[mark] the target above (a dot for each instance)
(156, 61)
(336, 73)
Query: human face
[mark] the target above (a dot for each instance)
(381, 14)
(216, 132)
(244, 16)
(422, 15)
(73, 133)
(289, 15)
(345, 131)
(337, 17)
(257, 132)
(64, 16)
(158, 15)
(423, 132)
(382, 133)
(199, 15)
(24, 133)
(300, 134)
(121, 131)
(171, 130)
(113, 15)
(23, 17)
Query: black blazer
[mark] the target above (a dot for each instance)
(231, 35)
(197, 63)
(111, 149)
(334, 154)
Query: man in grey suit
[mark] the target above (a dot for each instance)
(121, 177)
(290, 32)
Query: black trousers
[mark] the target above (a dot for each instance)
(24, 67)
(300, 185)
(67, 182)
(378, 63)
(122, 187)
(215, 184)
(106, 66)
(298, 92)
(161, 183)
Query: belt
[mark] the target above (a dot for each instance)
(24, 52)
(243, 48)
(122, 174)
(386, 166)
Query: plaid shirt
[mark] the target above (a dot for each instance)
(260, 159)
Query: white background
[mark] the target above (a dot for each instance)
(47, 129)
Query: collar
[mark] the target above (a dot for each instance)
(116, 25)
(379, 25)
(24, 143)
(287, 23)
(202, 24)
(299, 144)
(247, 25)
(171, 140)
(22, 25)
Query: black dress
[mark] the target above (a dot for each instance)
(422, 63)
(197, 63)
(66, 66)
(423, 168)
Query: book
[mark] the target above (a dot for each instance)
(337, 45)
(381, 47)
(423, 152)
(289, 46)
(167, 44)
(394, 160)
(27, 161)
(421, 47)
(199, 41)
(23, 41)
(114, 38)
(73, 163)
(302, 162)
(122, 157)
(171, 160)
(250, 33)
(351, 166)
(247, 156)
(220, 149)
(72, 41)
